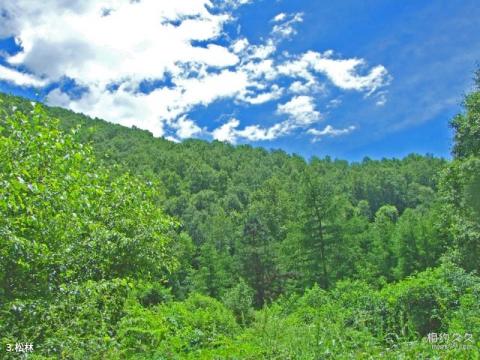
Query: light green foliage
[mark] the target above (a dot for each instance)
(69, 231)
(467, 128)
(239, 300)
(175, 330)
(66, 220)
(353, 320)
(78, 322)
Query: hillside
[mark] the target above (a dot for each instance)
(153, 249)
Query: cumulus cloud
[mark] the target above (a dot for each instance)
(301, 110)
(19, 78)
(256, 133)
(273, 93)
(343, 73)
(240, 45)
(310, 86)
(186, 128)
(279, 17)
(227, 132)
(233, 4)
(329, 131)
(111, 48)
(285, 25)
(137, 40)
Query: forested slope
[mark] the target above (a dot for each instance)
(116, 244)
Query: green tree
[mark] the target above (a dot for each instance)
(318, 208)
(460, 184)
(382, 254)
(239, 299)
(466, 127)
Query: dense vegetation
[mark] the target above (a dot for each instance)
(116, 244)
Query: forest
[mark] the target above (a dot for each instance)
(115, 244)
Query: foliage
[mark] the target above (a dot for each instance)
(115, 244)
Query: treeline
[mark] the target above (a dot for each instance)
(117, 244)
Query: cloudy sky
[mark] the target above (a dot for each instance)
(350, 79)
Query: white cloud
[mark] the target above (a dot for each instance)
(59, 98)
(262, 51)
(19, 78)
(172, 139)
(329, 131)
(343, 73)
(256, 133)
(285, 29)
(232, 3)
(260, 98)
(279, 17)
(128, 44)
(124, 43)
(163, 106)
(227, 131)
(260, 69)
(300, 113)
(186, 128)
(310, 86)
(208, 88)
(240, 45)
(299, 87)
(334, 103)
(301, 110)
(381, 98)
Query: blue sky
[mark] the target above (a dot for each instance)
(347, 79)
